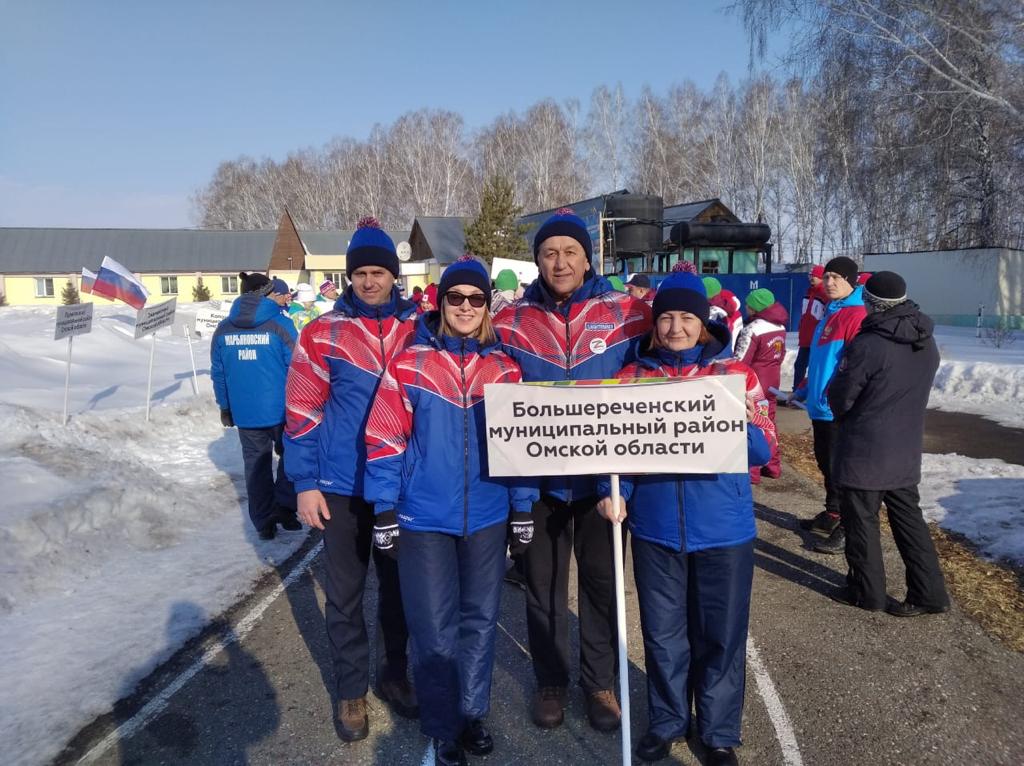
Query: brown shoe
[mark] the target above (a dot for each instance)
(549, 706)
(603, 710)
(401, 696)
(352, 723)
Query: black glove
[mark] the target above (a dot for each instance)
(385, 534)
(226, 420)
(520, 532)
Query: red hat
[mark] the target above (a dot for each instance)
(817, 270)
(431, 293)
(863, 277)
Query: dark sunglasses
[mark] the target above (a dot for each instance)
(477, 300)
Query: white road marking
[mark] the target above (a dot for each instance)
(155, 706)
(522, 648)
(776, 710)
(773, 703)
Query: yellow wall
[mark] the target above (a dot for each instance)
(20, 290)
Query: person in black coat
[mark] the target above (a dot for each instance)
(878, 396)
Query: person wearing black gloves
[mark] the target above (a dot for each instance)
(339, 360)
(880, 390)
(440, 514)
(249, 357)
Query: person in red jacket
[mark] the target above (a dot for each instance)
(762, 346)
(812, 311)
(725, 307)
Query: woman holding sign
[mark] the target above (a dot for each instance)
(453, 521)
(693, 550)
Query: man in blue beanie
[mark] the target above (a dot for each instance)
(571, 325)
(338, 363)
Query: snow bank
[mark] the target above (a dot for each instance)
(119, 540)
(982, 500)
(973, 377)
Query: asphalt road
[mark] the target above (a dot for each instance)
(850, 687)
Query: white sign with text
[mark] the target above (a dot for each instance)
(152, 318)
(72, 320)
(688, 425)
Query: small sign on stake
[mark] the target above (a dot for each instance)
(72, 320)
(152, 318)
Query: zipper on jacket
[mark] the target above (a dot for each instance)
(465, 443)
(568, 376)
(682, 521)
(380, 335)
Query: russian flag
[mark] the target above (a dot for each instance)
(114, 281)
(88, 280)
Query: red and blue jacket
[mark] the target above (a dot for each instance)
(589, 337)
(692, 512)
(838, 326)
(335, 371)
(249, 357)
(762, 345)
(426, 439)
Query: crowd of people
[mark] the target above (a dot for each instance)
(375, 404)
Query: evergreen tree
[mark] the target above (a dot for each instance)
(200, 292)
(69, 295)
(495, 232)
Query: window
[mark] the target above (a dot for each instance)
(708, 267)
(336, 277)
(229, 285)
(168, 285)
(44, 287)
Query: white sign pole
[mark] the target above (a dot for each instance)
(67, 382)
(192, 356)
(149, 380)
(620, 614)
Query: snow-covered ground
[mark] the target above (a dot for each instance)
(120, 539)
(973, 376)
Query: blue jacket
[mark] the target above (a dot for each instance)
(339, 360)
(249, 357)
(589, 337)
(835, 329)
(426, 438)
(693, 512)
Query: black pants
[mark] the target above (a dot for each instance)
(266, 495)
(826, 434)
(348, 540)
(559, 530)
(866, 578)
(803, 356)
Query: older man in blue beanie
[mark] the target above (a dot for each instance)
(338, 364)
(571, 325)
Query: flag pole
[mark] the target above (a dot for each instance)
(620, 615)
(149, 381)
(67, 382)
(192, 356)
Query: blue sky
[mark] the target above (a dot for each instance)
(113, 113)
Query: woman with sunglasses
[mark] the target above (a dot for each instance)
(693, 544)
(426, 474)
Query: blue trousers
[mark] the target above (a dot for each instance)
(803, 356)
(265, 492)
(694, 610)
(451, 592)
